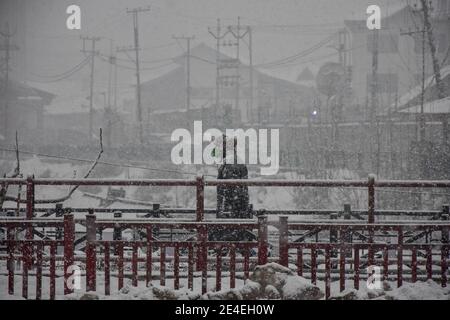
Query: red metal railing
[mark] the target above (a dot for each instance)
(347, 252)
(348, 255)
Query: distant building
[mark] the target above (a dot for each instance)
(306, 77)
(22, 110)
(400, 55)
(274, 100)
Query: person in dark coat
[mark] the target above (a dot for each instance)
(232, 201)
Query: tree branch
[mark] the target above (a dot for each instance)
(62, 199)
(16, 173)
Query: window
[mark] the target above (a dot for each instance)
(418, 43)
(441, 43)
(442, 40)
(387, 82)
(386, 43)
(443, 6)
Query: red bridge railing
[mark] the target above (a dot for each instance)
(341, 254)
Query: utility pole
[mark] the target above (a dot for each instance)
(114, 61)
(238, 36)
(135, 12)
(188, 74)
(374, 97)
(436, 68)
(111, 61)
(92, 52)
(250, 57)
(338, 110)
(420, 119)
(429, 29)
(218, 36)
(112, 86)
(7, 47)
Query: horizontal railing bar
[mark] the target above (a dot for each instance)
(6, 222)
(287, 183)
(257, 212)
(230, 182)
(14, 223)
(358, 225)
(175, 225)
(114, 182)
(360, 246)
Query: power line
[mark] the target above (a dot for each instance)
(298, 55)
(73, 71)
(62, 74)
(105, 59)
(120, 165)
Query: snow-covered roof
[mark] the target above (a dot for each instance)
(434, 107)
(416, 91)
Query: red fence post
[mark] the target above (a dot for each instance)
(11, 261)
(25, 267)
(134, 265)
(204, 257)
(371, 199)
(107, 269)
(69, 238)
(283, 242)
(400, 258)
(218, 268)
(176, 268)
(28, 248)
(200, 198)
(327, 273)
(445, 249)
(232, 266)
(356, 267)
(371, 217)
(414, 265)
(191, 268)
(262, 240)
(91, 259)
(342, 255)
(52, 270)
(39, 250)
(148, 274)
(199, 217)
(30, 198)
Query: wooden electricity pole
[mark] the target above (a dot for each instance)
(374, 99)
(218, 35)
(7, 47)
(92, 52)
(420, 119)
(436, 68)
(188, 74)
(136, 48)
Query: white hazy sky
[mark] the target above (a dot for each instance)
(52, 49)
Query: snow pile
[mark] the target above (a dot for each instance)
(428, 290)
(129, 292)
(277, 281)
(250, 291)
(270, 281)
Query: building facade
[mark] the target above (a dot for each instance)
(399, 53)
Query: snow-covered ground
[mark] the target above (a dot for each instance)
(428, 290)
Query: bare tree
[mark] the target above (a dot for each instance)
(15, 174)
(71, 191)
